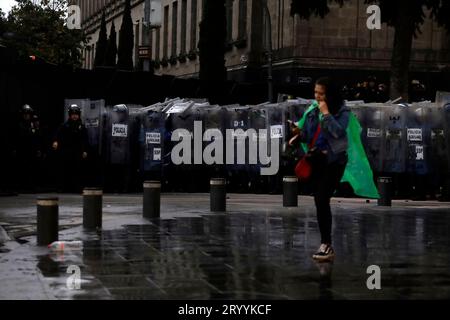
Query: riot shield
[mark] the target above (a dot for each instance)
(92, 117)
(214, 122)
(373, 135)
(443, 101)
(236, 150)
(276, 125)
(180, 119)
(118, 137)
(153, 134)
(134, 129)
(116, 149)
(418, 137)
(394, 157)
(438, 148)
(258, 122)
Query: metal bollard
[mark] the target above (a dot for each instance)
(47, 220)
(385, 191)
(218, 194)
(152, 199)
(92, 208)
(290, 191)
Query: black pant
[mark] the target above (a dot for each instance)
(72, 169)
(325, 179)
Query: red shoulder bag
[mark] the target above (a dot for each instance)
(303, 168)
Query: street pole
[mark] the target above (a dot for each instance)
(146, 34)
(268, 32)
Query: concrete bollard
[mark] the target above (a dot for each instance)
(152, 199)
(47, 220)
(290, 191)
(218, 194)
(92, 208)
(385, 191)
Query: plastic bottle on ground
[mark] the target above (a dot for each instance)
(66, 245)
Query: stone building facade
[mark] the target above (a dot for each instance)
(340, 41)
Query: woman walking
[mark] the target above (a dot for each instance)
(324, 129)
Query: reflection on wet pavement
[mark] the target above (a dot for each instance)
(261, 256)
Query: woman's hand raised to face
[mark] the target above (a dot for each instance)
(323, 106)
(296, 131)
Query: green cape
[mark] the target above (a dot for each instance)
(358, 172)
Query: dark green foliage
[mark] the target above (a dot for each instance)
(126, 40)
(406, 16)
(111, 50)
(40, 30)
(102, 44)
(307, 8)
(212, 49)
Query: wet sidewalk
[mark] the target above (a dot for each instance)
(257, 250)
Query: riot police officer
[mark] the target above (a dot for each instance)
(28, 149)
(71, 142)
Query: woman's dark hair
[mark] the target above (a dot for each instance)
(333, 94)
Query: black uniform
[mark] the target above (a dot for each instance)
(29, 151)
(72, 143)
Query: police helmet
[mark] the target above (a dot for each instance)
(74, 109)
(120, 108)
(26, 109)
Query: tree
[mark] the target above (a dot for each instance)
(212, 50)
(111, 50)
(307, 8)
(407, 17)
(102, 44)
(2, 23)
(40, 30)
(126, 40)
